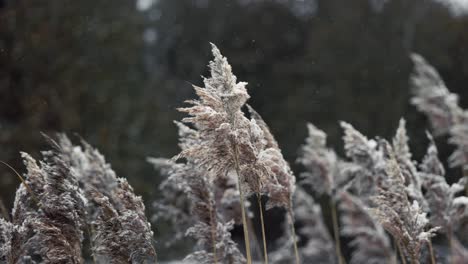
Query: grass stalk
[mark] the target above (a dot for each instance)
(242, 199)
(213, 235)
(336, 232)
(431, 251)
(400, 252)
(4, 211)
(260, 208)
(30, 191)
(90, 230)
(256, 251)
(293, 232)
(450, 239)
(465, 174)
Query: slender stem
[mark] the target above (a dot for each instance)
(431, 250)
(4, 211)
(293, 232)
(400, 251)
(394, 258)
(90, 231)
(450, 241)
(241, 194)
(336, 232)
(260, 208)
(213, 234)
(256, 252)
(30, 191)
(465, 174)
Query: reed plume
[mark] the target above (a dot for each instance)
(324, 174)
(212, 233)
(225, 132)
(369, 240)
(120, 230)
(408, 168)
(281, 184)
(431, 96)
(439, 194)
(322, 169)
(404, 220)
(173, 206)
(199, 190)
(52, 217)
(232, 143)
(368, 165)
(315, 244)
(7, 231)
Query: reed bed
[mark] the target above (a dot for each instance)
(383, 206)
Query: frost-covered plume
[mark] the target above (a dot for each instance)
(49, 212)
(226, 193)
(202, 222)
(198, 190)
(90, 166)
(321, 164)
(441, 196)
(7, 231)
(315, 245)
(438, 194)
(323, 174)
(223, 129)
(121, 231)
(404, 220)
(27, 195)
(227, 249)
(407, 165)
(357, 147)
(270, 141)
(368, 168)
(229, 142)
(127, 226)
(173, 206)
(26, 207)
(63, 206)
(432, 97)
(431, 164)
(212, 234)
(369, 240)
(282, 184)
(459, 138)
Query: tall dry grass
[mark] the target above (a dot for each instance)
(384, 206)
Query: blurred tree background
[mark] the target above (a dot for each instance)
(113, 72)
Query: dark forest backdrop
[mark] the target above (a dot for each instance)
(113, 72)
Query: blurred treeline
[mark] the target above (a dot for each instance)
(113, 72)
